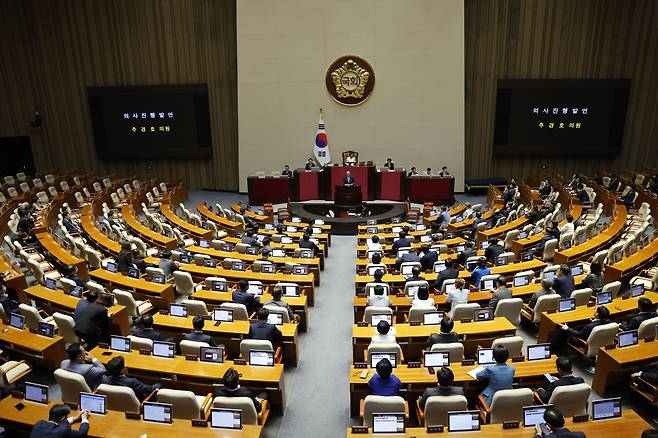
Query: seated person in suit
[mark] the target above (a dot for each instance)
(501, 293)
(564, 283)
(628, 198)
(167, 264)
(563, 365)
(138, 261)
(197, 335)
(415, 275)
(469, 251)
(382, 335)
(555, 422)
(378, 275)
(594, 280)
(601, 317)
(428, 257)
(384, 382)
(286, 171)
(552, 231)
(351, 159)
(92, 296)
(261, 329)
(116, 375)
(68, 223)
(305, 242)
(59, 426)
(413, 171)
(445, 378)
(232, 388)
(389, 164)
(241, 296)
(444, 171)
(428, 171)
(480, 271)
(8, 303)
(125, 258)
(649, 374)
(402, 242)
(459, 295)
(378, 299)
(81, 362)
(447, 274)
(615, 183)
(645, 311)
(277, 300)
(309, 164)
(249, 239)
(581, 193)
(146, 330)
(499, 376)
(422, 298)
(444, 216)
(447, 336)
(348, 179)
(71, 273)
(546, 289)
(376, 258)
(568, 227)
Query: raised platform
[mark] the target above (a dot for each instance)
(346, 221)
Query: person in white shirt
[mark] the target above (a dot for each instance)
(457, 296)
(378, 299)
(373, 243)
(568, 227)
(382, 335)
(422, 298)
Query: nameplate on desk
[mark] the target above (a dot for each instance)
(518, 358)
(625, 297)
(103, 345)
(239, 362)
(163, 312)
(434, 429)
(649, 339)
(360, 429)
(414, 323)
(400, 295)
(468, 362)
(549, 311)
(360, 365)
(510, 425)
(191, 357)
(133, 416)
(581, 418)
(591, 304)
(31, 330)
(465, 320)
(207, 317)
(17, 394)
(610, 346)
(362, 324)
(145, 352)
(199, 423)
(413, 365)
(360, 295)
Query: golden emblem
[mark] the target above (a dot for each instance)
(350, 80)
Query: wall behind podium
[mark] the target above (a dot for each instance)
(415, 113)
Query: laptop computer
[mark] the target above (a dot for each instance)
(539, 351)
(261, 358)
(179, 310)
(223, 315)
(439, 266)
(534, 415)
(238, 265)
(222, 418)
(158, 278)
(626, 339)
(603, 298)
(486, 314)
(376, 317)
(204, 244)
(522, 235)
(502, 260)
(36, 393)
(432, 318)
(251, 250)
(211, 354)
(550, 275)
(184, 258)
(412, 290)
(120, 343)
(376, 357)
(300, 269)
(526, 256)
(219, 286)
(485, 356)
(17, 321)
(567, 305)
(164, 349)
(209, 263)
(51, 283)
(373, 269)
(112, 267)
(606, 408)
(463, 421)
(157, 412)
(436, 359)
(485, 244)
(616, 257)
(255, 288)
(426, 238)
(133, 273)
(406, 270)
(388, 423)
(268, 268)
(94, 403)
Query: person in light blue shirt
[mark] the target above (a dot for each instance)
(480, 271)
(384, 382)
(499, 376)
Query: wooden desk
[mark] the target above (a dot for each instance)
(197, 376)
(298, 304)
(153, 237)
(390, 262)
(14, 277)
(628, 266)
(388, 249)
(496, 231)
(521, 245)
(227, 224)
(88, 222)
(616, 365)
(197, 232)
(416, 380)
(228, 333)
(161, 295)
(629, 425)
(550, 322)
(58, 301)
(412, 338)
(112, 425)
(64, 257)
(252, 215)
(41, 350)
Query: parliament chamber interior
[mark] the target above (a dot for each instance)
(257, 218)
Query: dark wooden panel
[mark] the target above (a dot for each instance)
(59, 47)
(560, 39)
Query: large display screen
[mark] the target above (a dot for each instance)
(560, 117)
(151, 122)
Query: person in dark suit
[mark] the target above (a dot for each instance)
(70, 226)
(93, 324)
(232, 388)
(445, 377)
(167, 265)
(8, 303)
(286, 171)
(546, 190)
(649, 374)
(305, 242)
(116, 375)
(583, 197)
(249, 239)
(146, 330)
(493, 250)
(348, 179)
(197, 335)
(92, 296)
(411, 256)
(447, 274)
(309, 164)
(71, 273)
(415, 275)
(469, 251)
(261, 329)
(241, 296)
(428, 258)
(564, 369)
(501, 293)
(412, 172)
(601, 317)
(125, 258)
(646, 311)
(555, 422)
(615, 183)
(446, 336)
(402, 242)
(628, 198)
(564, 283)
(59, 423)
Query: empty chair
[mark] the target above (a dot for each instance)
(134, 307)
(456, 350)
(33, 316)
(378, 403)
(12, 371)
(71, 385)
(245, 405)
(65, 328)
(549, 250)
(647, 328)
(196, 307)
(464, 311)
(571, 399)
(370, 310)
(510, 237)
(118, 398)
(506, 405)
(138, 343)
(25, 188)
(514, 345)
(191, 348)
(510, 308)
(582, 296)
(239, 311)
(613, 287)
(199, 259)
(185, 404)
(436, 409)
(416, 313)
(600, 257)
(183, 283)
(64, 186)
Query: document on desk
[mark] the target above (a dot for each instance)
(474, 372)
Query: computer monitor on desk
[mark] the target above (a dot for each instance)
(388, 423)
(567, 305)
(485, 356)
(222, 418)
(157, 412)
(94, 403)
(539, 351)
(376, 357)
(534, 415)
(436, 359)
(261, 358)
(36, 393)
(164, 349)
(432, 318)
(17, 321)
(606, 408)
(627, 339)
(603, 298)
(120, 343)
(376, 317)
(463, 421)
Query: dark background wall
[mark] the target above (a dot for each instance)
(52, 49)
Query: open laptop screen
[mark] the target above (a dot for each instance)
(261, 358)
(211, 354)
(432, 318)
(224, 315)
(17, 320)
(626, 339)
(637, 290)
(120, 343)
(436, 359)
(485, 356)
(521, 280)
(567, 304)
(179, 310)
(603, 298)
(376, 317)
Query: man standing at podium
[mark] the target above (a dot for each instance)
(348, 179)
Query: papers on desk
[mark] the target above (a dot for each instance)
(474, 372)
